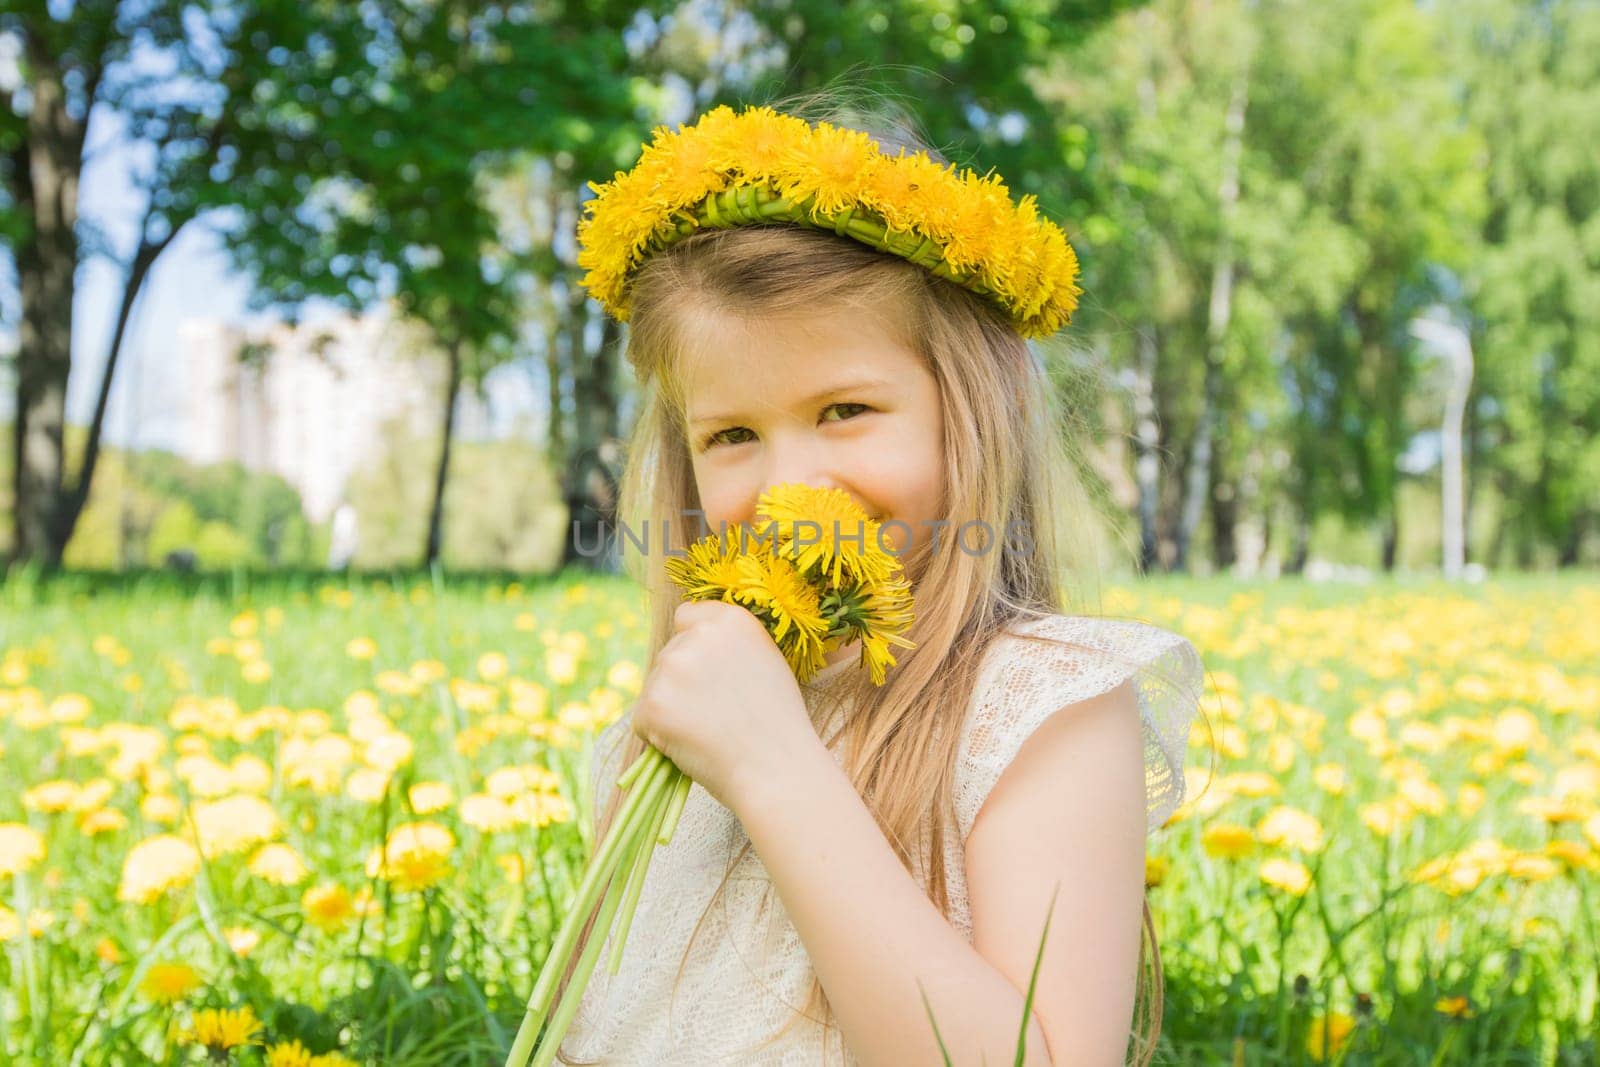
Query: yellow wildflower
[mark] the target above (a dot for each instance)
(221, 1029)
(21, 848)
(1227, 840)
(278, 864)
(168, 983)
(1291, 877)
(241, 939)
(328, 906)
(1327, 1034)
(234, 824)
(1290, 827)
(415, 856)
(155, 866)
(428, 797)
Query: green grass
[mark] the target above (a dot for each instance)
(440, 975)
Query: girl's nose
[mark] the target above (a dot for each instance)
(797, 464)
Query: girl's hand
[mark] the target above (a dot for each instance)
(721, 702)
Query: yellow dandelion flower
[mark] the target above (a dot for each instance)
(709, 568)
(1227, 840)
(21, 848)
(250, 774)
(163, 808)
(241, 939)
(561, 665)
(388, 750)
(278, 864)
(416, 856)
(1250, 784)
(362, 648)
(157, 865)
(511, 866)
(51, 797)
(102, 821)
(429, 797)
(328, 906)
(824, 531)
(221, 1029)
(776, 591)
(487, 814)
(294, 1054)
(1327, 1034)
(1291, 877)
(168, 983)
(1533, 867)
(1330, 778)
(825, 166)
(368, 785)
(234, 824)
(1155, 870)
(1454, 1007)
(1292, 828)
(493, 666)
(288, 1054)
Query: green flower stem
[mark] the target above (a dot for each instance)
(680, 796)
(627, 824)
(557, 1029)
(633, 771)
(659, 805)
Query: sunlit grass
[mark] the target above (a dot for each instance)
(357, 808)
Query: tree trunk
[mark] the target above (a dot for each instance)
(73, 500)
(1469, 458)
(1572, 544)
(1198, 482)
(1224, 507)
(436, 512)
(1146, 446)
(1391, 537)
(48, 166)
(556, 436)
(591, 479)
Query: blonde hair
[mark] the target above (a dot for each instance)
(1006, 462)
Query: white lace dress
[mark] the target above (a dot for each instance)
(748, 972)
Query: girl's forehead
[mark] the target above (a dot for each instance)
(727, 357)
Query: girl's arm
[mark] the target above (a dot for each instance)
(1069, 810)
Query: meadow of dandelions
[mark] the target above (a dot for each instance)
(294, 821)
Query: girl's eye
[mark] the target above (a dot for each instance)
(721, 437)
(862, 407)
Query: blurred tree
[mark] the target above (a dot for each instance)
(1530, 78)
(133, 516)
(1175, 201)
(962, 67)
(505, 501)
(1363, 114)
(1263, 298)
(348, 139)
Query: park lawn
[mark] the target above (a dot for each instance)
(357, 805)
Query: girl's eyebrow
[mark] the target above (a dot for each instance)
(815, 398)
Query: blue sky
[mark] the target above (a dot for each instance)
(192, 279)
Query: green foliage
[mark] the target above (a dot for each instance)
(1531, 80)
(503, 500)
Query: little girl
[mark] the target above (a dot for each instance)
(811, 304)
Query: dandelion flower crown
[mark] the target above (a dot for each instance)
(760, 166)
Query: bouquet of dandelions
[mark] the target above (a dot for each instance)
(817, 575)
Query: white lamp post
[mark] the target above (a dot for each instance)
(1451, 343)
